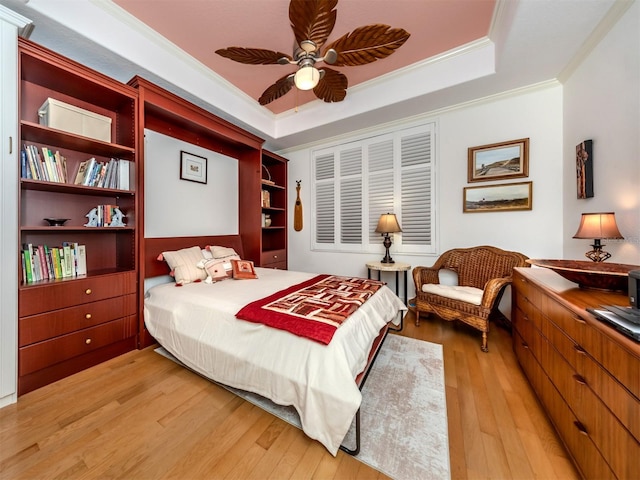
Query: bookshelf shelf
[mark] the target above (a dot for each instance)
(101, 284)
(57, 187)
(34, 132)
(273, 243)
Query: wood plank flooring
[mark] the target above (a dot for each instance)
(140, 416)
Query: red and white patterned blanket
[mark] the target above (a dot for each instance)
(313, 309)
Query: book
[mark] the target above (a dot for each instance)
(68, 261)
(124, 171)
(81, 259)
(82, 170)
(26, 252)
(43, 262)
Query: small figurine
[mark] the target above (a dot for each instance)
(116, 219)
(93, 218)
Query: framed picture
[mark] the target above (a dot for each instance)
(193, 167)
(499, 161)
(584, 168)
(498, 198)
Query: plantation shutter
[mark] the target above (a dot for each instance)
(415, 161)
(381, 185)
(357, 182)
(325, 199)
(351, 196)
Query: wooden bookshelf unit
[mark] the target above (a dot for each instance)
(68, 324)
(273, 249)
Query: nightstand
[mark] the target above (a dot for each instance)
(391, 267)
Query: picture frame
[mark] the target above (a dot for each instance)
(498, 161)
(584, 169)
(193, 168)
(498, 198)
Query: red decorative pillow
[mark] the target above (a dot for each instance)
(243, 269)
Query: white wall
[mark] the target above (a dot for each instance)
(538, 233)
(602, 103)
(175, 207)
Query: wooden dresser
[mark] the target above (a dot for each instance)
(72, 325)
(584, 372)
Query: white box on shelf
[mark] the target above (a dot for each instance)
(62, 116)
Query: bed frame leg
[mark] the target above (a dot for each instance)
(356, 450)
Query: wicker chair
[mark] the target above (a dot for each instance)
(486, 268)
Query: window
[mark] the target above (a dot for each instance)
(354, 183)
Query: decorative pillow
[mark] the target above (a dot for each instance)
(243, 269)
(183, 263)
(221, 252)
(217, 269)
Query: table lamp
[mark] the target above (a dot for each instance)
(598, 226)
(387, 224)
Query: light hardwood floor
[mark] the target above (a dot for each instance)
(140, 416)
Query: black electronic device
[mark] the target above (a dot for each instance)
(634, 289)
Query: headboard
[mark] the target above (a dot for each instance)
(154, 246)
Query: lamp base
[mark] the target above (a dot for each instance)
(597, 254)
(387, 243)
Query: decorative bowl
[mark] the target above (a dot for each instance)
(598, 275)
(56, 222)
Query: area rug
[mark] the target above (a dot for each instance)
(403, 413)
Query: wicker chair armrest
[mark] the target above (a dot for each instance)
(422, 275)
(492, 289)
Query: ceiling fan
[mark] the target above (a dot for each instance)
(312, 22)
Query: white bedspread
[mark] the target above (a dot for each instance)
(197, 324)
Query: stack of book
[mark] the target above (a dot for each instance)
(41, 262)
(50, 167)
(111, 174)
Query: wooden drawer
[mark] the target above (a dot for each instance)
(40, 327)
(53, 296)
(588, 459)
(44, 354)
(620, 362)
(271, 257)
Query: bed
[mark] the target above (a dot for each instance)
(196, 323)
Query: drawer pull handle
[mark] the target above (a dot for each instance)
(580, 320)
(88, 291)
(524, 345)
(88, 316)
(580, 350)
(581, 428)
(87, 341)
(580, 379)
(275, 256)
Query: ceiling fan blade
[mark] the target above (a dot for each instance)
(252, 56)
(312, 20)
(332, 86)
(368, 44)
(277, 90)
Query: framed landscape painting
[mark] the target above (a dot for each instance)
(498, 198)
(498, 161)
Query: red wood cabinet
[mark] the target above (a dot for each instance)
(585, 373)
(68, 324)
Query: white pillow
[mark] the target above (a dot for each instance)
(221, 252)
(471, 295)
(184, 264)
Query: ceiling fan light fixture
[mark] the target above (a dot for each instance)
(307, 77)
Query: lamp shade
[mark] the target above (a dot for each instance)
(307, 77)
(598, 225)
(388, 223)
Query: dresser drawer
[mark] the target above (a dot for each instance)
(575, 436)
(44, 354)
(271, 257)
(40, 327)
(53, 296)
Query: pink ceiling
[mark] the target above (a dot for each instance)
(200, 27)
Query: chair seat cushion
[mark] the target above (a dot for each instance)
(471, 295)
